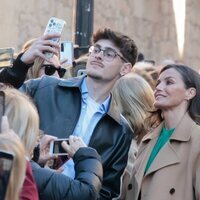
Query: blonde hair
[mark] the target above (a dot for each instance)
(28, 44)
(134, 97)
(22, 117)
(13, 145)
(33, 71)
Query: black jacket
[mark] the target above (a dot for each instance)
(15, 75)
(59, 105)
(86, 185)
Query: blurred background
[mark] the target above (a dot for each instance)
(162, 30)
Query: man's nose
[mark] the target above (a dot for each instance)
(100, 54)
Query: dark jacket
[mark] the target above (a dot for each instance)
(86, 185)
(15, 75)
(59, 105)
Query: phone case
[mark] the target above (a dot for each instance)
(54, 25)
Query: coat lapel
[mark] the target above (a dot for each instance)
(168, 153)
(167, 156)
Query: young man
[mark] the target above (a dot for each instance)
(83, 106)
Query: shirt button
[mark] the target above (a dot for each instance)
(172, 191)
(130, 186)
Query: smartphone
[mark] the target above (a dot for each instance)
(56, 147)
(67, 52)
(6, 57)
(81, 72)
(54, 25)
(6, 164)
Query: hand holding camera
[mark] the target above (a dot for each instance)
(66, 146)
(74, 144)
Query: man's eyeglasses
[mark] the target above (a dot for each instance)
(51, 69)
(108, 53)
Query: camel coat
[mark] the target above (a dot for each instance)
(175, 172)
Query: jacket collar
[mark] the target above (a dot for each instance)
(76, 83)
(181, 133)
(72, 82)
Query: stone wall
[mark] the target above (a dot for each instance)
(149, 22)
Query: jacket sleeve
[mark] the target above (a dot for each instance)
(86, 185)
(16, 74)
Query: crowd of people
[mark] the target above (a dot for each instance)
(132, 128)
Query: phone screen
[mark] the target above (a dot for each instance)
(6, 57)
(67, 52)
(57, 147)
(6, 161)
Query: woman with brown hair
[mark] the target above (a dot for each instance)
(168, 160)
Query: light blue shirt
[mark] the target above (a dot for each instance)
(91, 113)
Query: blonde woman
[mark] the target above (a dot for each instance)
(23, 119)
(12, 145)
(134, 97)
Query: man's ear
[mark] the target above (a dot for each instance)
(190, 93)
(126, 68)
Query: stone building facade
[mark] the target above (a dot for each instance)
(150, 23)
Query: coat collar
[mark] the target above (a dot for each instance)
(76, 83)
(181, 133)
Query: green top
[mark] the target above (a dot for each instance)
(162, 139)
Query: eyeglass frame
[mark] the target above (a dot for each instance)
(61, 71)
(91, 51)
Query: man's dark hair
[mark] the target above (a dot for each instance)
(125, 44)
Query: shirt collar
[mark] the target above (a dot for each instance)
(84, 93)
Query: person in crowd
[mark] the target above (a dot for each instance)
(80, 65)
(51, 184)
(11, 185)
(16, 75)
(134, 97)
(148, 70)
(84, 107)
(168, 159)
(42, 67)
